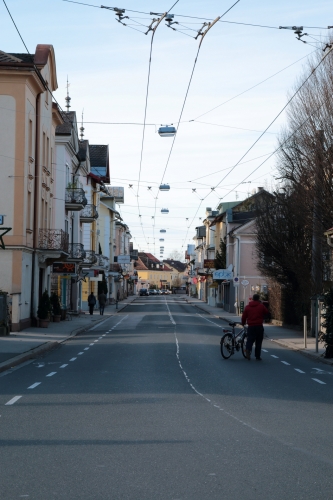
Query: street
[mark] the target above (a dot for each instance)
(143, 406)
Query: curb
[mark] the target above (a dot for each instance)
(302, 351)
(37, 351)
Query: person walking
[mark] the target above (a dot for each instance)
(254, 315)
(102, 302)
(91, 303)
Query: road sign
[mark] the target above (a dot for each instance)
(245, 282)
(123, 259)
(236, 281)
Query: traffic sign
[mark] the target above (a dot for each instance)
(245, 282)
(236, 281)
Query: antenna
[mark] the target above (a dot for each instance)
(67, 99)
(82, 127)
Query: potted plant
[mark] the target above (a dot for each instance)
(326, 336)
(44, 310)
(56, 308)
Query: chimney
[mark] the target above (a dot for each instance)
(260, 189)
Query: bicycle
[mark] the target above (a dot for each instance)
(232, 341)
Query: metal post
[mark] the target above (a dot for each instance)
(305, 329)
(317, 324)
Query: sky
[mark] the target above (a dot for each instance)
(107, 66)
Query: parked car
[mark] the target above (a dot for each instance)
(159, 292)
(151, 292)
(143, 291)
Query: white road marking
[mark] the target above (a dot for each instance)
(86, 348)
(34, 385)
(264, 350)
(285, 363)
(170, 315)
(73, 359)
(319, 381)
(13, 400)
(91, 344)
(51, 374)
(63, 366)
(273, 356)
(298, 370)
(96, 340)
(100, 337)
(104, 335)
(80, 353)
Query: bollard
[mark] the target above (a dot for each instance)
(305, 330)
(116, 304)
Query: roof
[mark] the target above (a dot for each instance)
(99, 159)
(176, 264)
(11, 58)
(66, 128)
(150, 260)
(140, 266)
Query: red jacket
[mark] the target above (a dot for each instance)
(254, 313)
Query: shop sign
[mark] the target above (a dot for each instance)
(63, 267)
(223, 274)
(209, 263)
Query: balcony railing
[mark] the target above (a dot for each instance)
(88, 214)
(90, 259)
(53, 239)
(103, 261)
(76, 252)
(75, 199)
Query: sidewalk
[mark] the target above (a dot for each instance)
(286, 337)
(31, 342)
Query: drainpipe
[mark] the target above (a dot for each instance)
(238, 269)
(35, 207)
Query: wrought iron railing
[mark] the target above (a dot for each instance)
(90, 259)
(76, 195)
(76, 251)
(53, 239)
(89, 212)
(103, 261)
(116, 268)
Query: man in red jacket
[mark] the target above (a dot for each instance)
(254, 314)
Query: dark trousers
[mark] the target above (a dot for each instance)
(91, 308)
(101, 309)
(255, 334)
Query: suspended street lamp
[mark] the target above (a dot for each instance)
(162, 230)
(167, 131)
(164, 187)
(165, 211)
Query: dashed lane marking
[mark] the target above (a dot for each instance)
(285, 363)
(63, 366)
(273, 356)
(319, 381)
(34, 385)
(91, 344)
(80, 353)
(13, 400)
(265, 350)
(298, 370)
(96, 340)
(86, 349)
(73, 359)
(51, 374)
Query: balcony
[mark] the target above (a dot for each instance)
(53, 245)
(103, 261)
(88, 214)
(75, 199)
(77, 252)
(90, 258)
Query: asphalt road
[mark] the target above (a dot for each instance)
(144, 407)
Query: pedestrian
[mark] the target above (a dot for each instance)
(102, 302)
(254, 314)
(91, 303)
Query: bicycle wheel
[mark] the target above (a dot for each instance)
(226, 346)
(244, 340)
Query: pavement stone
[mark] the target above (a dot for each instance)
(286, 337)
(19, 347)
